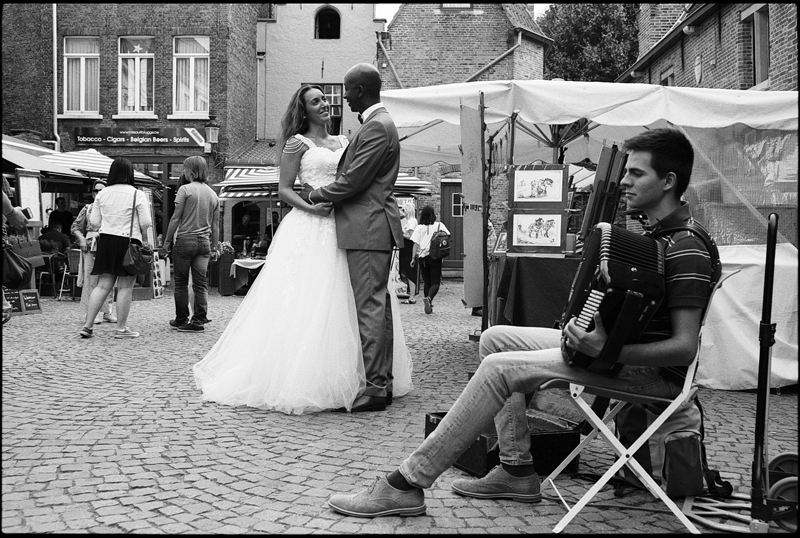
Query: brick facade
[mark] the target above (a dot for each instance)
(720, 47)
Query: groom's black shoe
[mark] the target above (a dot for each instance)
(368, 403)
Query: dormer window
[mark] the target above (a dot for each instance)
(327, 24)
(457, 6)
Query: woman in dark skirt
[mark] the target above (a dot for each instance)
(112, 212)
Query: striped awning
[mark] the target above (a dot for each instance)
(249, 182)
(19, 159)
(93, 163)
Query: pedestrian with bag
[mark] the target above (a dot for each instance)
(14, 217)
(122, 219)
(431, 245)
(87, 238)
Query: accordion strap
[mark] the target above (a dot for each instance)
(711, 246)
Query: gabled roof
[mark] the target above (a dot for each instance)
(519, 17)
(262, 152)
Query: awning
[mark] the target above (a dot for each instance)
(256, 183)
(93, 163)
(14, 158)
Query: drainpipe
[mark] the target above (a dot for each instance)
(391, 65)
(55, 81)
(497, 60)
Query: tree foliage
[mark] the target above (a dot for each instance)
(591, 42)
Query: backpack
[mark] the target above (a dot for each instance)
(675, 455)
(440, 245)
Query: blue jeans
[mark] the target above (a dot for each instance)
(515, 361)
(191, 254)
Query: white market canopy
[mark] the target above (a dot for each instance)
(746, 155)
(428, 117)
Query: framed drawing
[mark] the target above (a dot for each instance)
(537, 233)
(538, 185)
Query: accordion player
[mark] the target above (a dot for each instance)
(621, 275)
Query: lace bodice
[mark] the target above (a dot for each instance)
(318, 165)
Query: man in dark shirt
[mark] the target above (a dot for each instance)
(54, 235)
(516, 361)
(61, 214)
(243, 231)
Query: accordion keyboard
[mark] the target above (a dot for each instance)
(592, 304)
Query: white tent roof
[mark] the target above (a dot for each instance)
(92, 162)
(259, 182)
(429, 117)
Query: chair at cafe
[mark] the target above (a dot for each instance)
(71, 273)
(55, 265)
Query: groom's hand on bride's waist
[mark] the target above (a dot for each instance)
(304, 192)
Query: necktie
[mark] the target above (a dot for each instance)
(360, 118)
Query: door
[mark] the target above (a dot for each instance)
(452, 215)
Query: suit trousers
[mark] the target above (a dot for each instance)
(369, 276)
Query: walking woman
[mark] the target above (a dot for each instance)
(111, 215)
(430, 269)
(87, 237)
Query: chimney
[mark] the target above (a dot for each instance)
(655, 20)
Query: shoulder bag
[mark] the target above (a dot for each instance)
(17, 270)
(138, 259)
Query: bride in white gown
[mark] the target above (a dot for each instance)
(293, 344)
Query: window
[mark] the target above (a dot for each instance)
(756, 21)
(457, 204)
(136, 75)
(456, 6)
(327, 24)
(333, 94)
(668, 77)
(191, 82)
(81, 75)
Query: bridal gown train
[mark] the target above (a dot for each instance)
(293, 344)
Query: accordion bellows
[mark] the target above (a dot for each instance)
(621, 275)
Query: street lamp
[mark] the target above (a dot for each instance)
(212, 139)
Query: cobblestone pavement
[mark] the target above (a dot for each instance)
(108, 435)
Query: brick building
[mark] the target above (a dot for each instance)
(431, 44)
(726, 46)
(144, 81)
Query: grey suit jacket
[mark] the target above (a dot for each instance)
(367, 215)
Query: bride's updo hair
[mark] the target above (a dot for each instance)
(294, 119)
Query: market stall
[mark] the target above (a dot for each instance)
(745, 168)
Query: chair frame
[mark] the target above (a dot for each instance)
(625, 454)
(71, 272)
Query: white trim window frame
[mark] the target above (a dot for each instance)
(81, 76)
(191, 67)
(136, 76)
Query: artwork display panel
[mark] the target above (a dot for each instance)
(538, 202)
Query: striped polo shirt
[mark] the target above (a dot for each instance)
(687, 272)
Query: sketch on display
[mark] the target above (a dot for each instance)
(538, 186)
(542, 230)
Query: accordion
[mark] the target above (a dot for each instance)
(621, 275)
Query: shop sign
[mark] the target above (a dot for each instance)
(114, 137)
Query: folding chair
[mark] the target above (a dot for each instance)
(71, 272)
(624, 454)
(54, 265)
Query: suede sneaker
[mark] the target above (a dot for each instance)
(378, 500)
(498, 484)
(174, 323)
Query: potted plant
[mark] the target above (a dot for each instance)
(226, 281)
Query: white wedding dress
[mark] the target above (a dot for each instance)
(293, 344)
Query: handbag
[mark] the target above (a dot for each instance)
(31, 250)
(138, 259)
(17, 271)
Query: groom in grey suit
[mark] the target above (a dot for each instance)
(368, 226)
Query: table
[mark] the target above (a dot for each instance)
(242, 269)
(529, 291)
